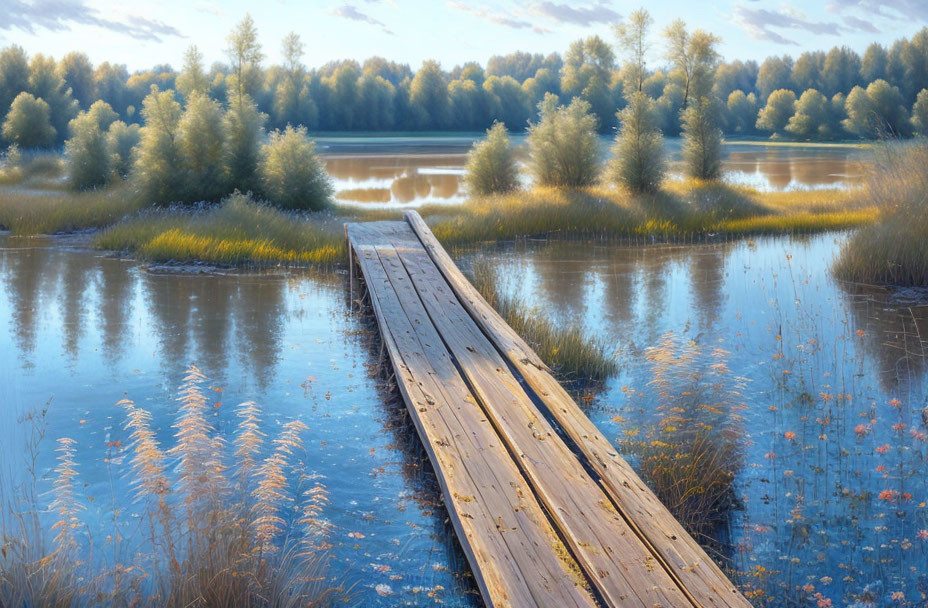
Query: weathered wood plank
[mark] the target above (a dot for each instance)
(622, 568)
(516, 556)
(704, 582)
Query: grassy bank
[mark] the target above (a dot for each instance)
(237, 231)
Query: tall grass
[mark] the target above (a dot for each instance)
(690, 458)
(27, 212)
(238, 231)
(566, 349)
(893, 251)
(219, 528)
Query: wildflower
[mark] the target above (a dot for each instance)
(808, 588)
(897, 595)
(860, 332)
(888, 495)
(770, 455)
(882, 449)
(861, 429)
(880, 469)
(916, 434)
(825, 580)
(923, 534)
(789, 435)
(906, 496)
(899, 426)
(895, 402)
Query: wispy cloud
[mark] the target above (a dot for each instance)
(59, 15)
(861, 25)
(351, 12)
(208, 6)
(575, 13)
(497, 17)
(760, 24)
(898, 10)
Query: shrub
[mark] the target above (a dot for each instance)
(87, 151)
(563, 144)
(892, 251)
(28, 123)
(292, 176)
(200, 140)
(121, 140)
(157, 158)
(781, 105)
(244, 130)
(638, 153)
(491, 165)
(702, 139)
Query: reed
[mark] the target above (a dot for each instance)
(892, 250)
(220, 529)
(566, 349)
(30, 212)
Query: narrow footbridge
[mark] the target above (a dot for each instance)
(545, 509)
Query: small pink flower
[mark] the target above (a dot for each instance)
(825, 602)
(880, 469)
(899, 427)
(895, 403)
(923, 534)
(918, 435)
(789, 435)
(897, 595)
(861, 429)
(882, 449)
(770, 455)
(888, 495)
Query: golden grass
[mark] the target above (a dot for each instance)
(238, 231)
(566, 349)
(216, 530)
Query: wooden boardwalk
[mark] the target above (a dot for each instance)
(546, 517)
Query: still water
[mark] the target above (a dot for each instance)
(411, 171)
(830, 485)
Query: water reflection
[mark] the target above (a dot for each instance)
(410, 171)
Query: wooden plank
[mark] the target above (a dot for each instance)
(515, 555)
(680, 554)
(623, 569)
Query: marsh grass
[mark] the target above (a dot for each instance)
(893, 251)
(29, 212)
(222, 524)
(681, 209)
(572, 354)
(691, 456)
(30, 167)
(238, 231)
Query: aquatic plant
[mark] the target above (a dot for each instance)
(573, 355)
(892, 251)
(218, 534)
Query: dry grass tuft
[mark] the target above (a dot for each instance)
(258, 542)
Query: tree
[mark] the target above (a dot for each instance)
(735, 76)
(876, 111)
(694, 56)
(110, 83)
(742, 112)
(244, 130)
(508, 102)
(87, 151)
(121, 140)
(638, 153)
(47, 84)
(781, 105)
(28, 124)
(544, 81)
(812, 117)
(774, 74)
(587, 74)
(633, 41)
(920, 113)
(491, 165)
(841, 71)
(375, 103)
(200, 146)
(428, 97)
(77, 72)
(292, 176)
(245, 54)
(702, 139)
(342, 96)
(875, 63)
(14, 76)
(157, 159)
(468, 103)
(192, 79)
(563, 145)
(807, 71)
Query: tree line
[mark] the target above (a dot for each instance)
(819, 95)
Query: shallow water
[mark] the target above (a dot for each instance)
(414, 170)
(85, 331)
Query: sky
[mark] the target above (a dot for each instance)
(142, 33)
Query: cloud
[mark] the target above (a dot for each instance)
(898, 10)
(348, 11)
(598, 12)
(498, 18)
(59, 15)
(861, 25)
(758, 22)
(208, 6)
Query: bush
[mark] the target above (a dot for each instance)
(157, 158)
(702, 140)
(892, 251)
(292, 176)
(200, 140)
(121, 140)
(491, 165)
(88, 154)
(244, 130)
(563, 144)
(28, 123)
(638, 153)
